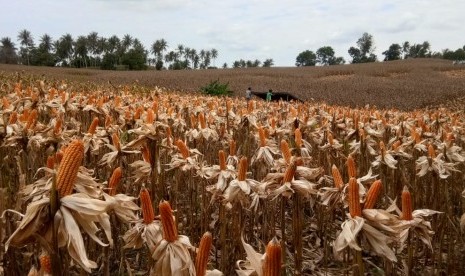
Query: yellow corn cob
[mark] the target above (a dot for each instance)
(232, 148)
(351, 168)
(193, 121)
(6, 103)
(150, 116)
(13, 118)
(272, 262)
(406, 204)
(148, 214)
(372, 195)
(431, 151)
(58, 124)
(51, 162)
(155, 107)
(170, 230)
(69, 167)
(250, 107)
(261, 134)
(298, 137)
(337, 178)
(286, 151)
(115, 140)
(203, 123)
(139, 110)
(354, 199)
(382, 148)
(396, 145)
(273, 123)
(31, 120)
(330, 138)
(242, 169)
(182, 148)
(201, 259)
(114, 181)
(222, 158)
(45, 263)
(93, 126)
(289, 173)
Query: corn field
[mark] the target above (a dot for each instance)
(100, 180)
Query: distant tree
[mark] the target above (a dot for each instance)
(27, 45)
(325, 56)
(236, 64)
(393, 53)
(458, 54)
(268, 62)
(92, 47)
(43, 55)
(364, 52)
(256, 63)
(8, 51)
(405, 49)
(306, 58)
(225, 65)
(64, 49)
(214, 55)
(419, 50)
(157, 49)
(80, 51)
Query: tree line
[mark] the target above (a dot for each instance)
(128, 53)
(364, 52)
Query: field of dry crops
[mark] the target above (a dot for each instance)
(101, 179)
(405, 84)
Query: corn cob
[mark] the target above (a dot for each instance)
(148, 214)
(51, 162)
(289, 173)
(396, 144)
(114, 181)
(351, 168)
(31, 120)
(261, 134)
(69, 167)
(406, 204)
(222, 160)
(193, 121)
(150, 116)
(250, 107)
(139, 110)
(58, 124)
(93, 126)
(115, 139)
(13, 118)
(382, 148)
(6, 103)
(298, 137)
(242, 169)
(337, 178)
(232, 148)
(286, 151)
(201, 118)
(330, 138)
(431, 151)
(170, 231)
(272, 262)
(45, 263)
(182, 148)
(201, 259)
(354, 199)
(372, 195)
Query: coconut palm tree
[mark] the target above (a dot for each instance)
(27, 44)
(214, 54)
(81, 50)
(92, 44)
(7, 51)
(64, 48)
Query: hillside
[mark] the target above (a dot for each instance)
(405, 84)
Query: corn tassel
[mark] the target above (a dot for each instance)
(93, 126)
(148, 214)
(242, 169)
(170, 231)
(406, 204)
(201, 259)
(372, 195)
(337, 178)
(272, 262)
(69, 167)
(354, 199)
(114, 180)
(351, 168)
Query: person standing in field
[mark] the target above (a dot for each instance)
(268, 95)
(248, 94)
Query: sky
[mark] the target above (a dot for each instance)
(245, 29)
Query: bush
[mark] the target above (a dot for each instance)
(215, 88)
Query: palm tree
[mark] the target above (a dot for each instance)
(202, 59)
(214, 54)
(46, 43)
(81, 50)
(180, 50)
(92, 44)
(113, 44)
(158, 47)
(44, 55)
(7, 51)
(27, 44)
(64, 48)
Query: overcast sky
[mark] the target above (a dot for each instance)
(247, 29)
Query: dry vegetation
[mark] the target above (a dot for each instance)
(128, 180)
(405, 84)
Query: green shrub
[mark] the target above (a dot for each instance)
(215, 88)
